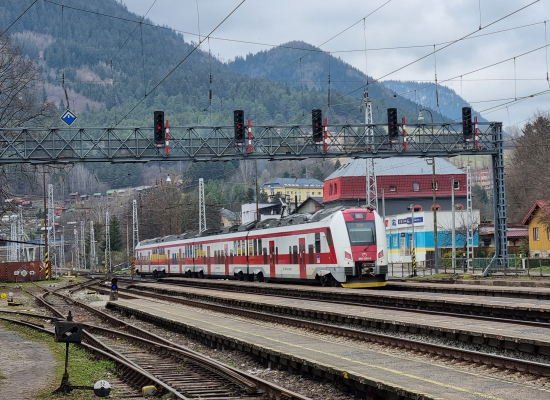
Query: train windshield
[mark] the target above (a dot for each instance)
(361, 233)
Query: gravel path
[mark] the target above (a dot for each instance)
(26, 367)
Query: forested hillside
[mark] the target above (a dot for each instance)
(110, 62)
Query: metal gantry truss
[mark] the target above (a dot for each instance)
(273, 142)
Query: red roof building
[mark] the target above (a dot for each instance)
(404, 180)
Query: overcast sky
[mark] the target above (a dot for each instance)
(397, 23)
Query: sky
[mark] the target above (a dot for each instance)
(377, 24)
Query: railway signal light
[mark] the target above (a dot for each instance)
(393, 128)
(467, 127)
(114, 284)
(159, 127)
(238, 124)
(317, 125)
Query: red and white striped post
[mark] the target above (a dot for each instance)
(477, 133)
(404, 135)
(167, 136)
(249, 137)
(326, 134)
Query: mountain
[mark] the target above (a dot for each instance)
(446, 101)
(305, 67)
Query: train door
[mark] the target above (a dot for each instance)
(226, 258)
(208, 261)
(272, 258)
(302, 257)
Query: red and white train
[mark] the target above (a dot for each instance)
(336, 246)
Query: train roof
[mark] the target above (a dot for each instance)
(291, 220)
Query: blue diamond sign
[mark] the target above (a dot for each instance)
(68, 117)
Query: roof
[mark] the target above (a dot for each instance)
(544, 205)
(309, 200)
(97, 194)
(301, 183)
(230, 215)
(397, 166)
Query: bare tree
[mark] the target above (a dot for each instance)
(22, 103)
(527, 179)
(444, 229)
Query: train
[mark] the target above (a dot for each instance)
(338, 246)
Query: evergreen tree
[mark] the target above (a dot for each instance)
(337, 164)
(115, 234)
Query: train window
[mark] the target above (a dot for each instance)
(290, 254)
(311, 256)
(295, 253)
(231, 256)
(244, 247)
(250, 248)
(265, 255)
(255, 247)
(329, 237)
(277, 254)
(317, 242)
(259, 246)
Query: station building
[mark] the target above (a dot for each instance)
(405, 180)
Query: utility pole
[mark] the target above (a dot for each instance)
(413, 242)
(83, 244)
(46, 255)
(469, 215)
(436, 249)
(453, 233)
(107, 243)
(370, 175)
(93, 257)
(76, 247)
(62, 250)
(202, 213)
(135, 227)
(51, 217)
(257, 192)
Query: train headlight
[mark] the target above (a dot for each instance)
(347, 255)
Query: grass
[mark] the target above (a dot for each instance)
(83, 369)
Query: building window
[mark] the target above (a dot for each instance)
(416, 186)
(393, 188)
(536, 234)
(335, 189)
(307, 195)
(417, 207)
(437, 207)
(436, 186)
(394, 239)
(459, 206)
(330, 190)
(457, 185)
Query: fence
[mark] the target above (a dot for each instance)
(514, 265)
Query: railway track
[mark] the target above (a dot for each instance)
(451, 353)
(145, 358)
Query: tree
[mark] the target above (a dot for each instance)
(115, 233)
(337, 164)
(22, 103)
(318, 174)
(526, 178)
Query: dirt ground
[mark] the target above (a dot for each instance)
(25, 367)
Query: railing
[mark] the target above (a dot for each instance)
(510, 266)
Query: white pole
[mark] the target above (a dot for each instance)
(453, 232)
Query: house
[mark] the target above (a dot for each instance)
(26, 204)
(309, 206)
(83, 197)
(74, 196)
(293, 188)
(229, 217)
(514, 233)
(111, 194)
(538, 221)
(404, 180)
(97, 195)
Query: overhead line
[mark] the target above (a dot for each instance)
(181, 62)
(23, 13)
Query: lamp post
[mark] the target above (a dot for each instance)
(436, 250)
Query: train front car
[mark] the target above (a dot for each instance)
(360, 245)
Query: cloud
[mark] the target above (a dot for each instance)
(398, 23)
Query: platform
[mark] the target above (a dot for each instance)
(480, 288)
(497, 334)
(375, 371)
